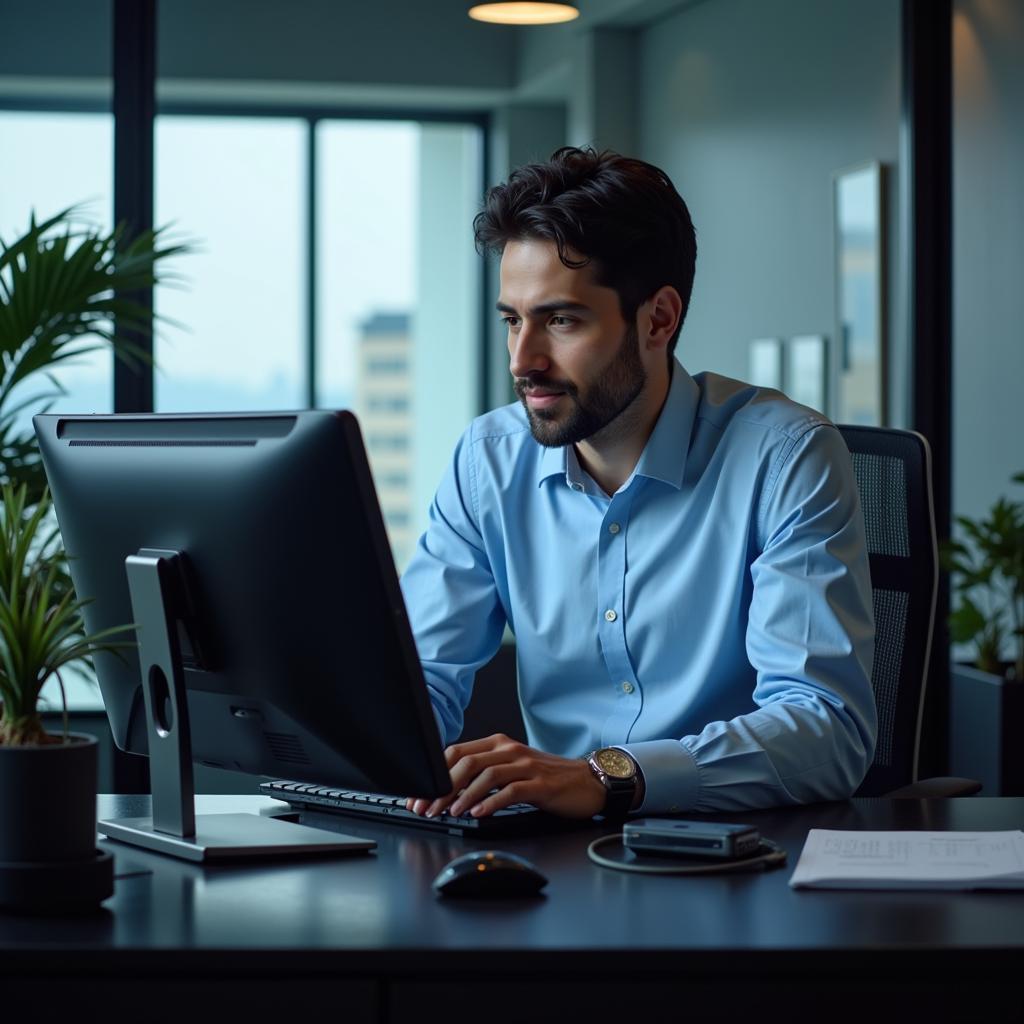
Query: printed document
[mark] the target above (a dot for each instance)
(910, 860)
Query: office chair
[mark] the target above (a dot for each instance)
(894, 479)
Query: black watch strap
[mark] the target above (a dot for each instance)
(619, 799)
(620, 789)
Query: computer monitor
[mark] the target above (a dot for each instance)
(250, 551)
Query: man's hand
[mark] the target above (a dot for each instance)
(561, 785)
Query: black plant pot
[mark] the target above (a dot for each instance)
(986, 717)
(48, 856)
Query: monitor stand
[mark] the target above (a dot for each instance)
(159, 595)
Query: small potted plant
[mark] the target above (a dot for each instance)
(48, 855)
(987, 697)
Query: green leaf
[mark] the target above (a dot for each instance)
(41, 626)
(966, 622)
(67, 288)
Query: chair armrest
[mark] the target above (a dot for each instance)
(936, 788)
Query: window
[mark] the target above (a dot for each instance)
(39, 147)
(395, 281)
(398, 299)
(237, 184)
(349, 280)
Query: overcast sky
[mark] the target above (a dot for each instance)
(237, 186)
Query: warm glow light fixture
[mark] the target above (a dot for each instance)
(533, 12)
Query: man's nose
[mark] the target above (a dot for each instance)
(527, 352)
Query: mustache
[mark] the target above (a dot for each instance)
(522, 386)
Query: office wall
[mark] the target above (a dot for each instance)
(521, 133)
(988, 252)
(752, 107)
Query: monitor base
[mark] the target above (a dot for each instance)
(234, 836)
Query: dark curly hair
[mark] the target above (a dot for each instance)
(621, 215)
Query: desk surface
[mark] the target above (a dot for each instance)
(375, 915)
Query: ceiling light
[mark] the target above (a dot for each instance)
(533, 12)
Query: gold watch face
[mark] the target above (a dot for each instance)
(615, 763)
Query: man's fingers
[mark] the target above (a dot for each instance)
(465, 762)
(514, 793)
(497, 776)
(473, 766)
(468, 771)
(564, 786)
(494, 762)
(420, 805)
(498, 741)
(480, 782)
(477, 774)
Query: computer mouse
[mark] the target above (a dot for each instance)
(487, 874)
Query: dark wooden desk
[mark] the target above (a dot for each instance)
(364, 938)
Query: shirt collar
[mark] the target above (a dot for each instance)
(553, 462)
(664, 455)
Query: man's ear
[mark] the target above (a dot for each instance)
(664, 310)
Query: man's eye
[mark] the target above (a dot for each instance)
(562, 321)
(510, 321)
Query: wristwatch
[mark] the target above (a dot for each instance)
(617, 772)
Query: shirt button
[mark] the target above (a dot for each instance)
(610, 615)
(614, 528)
(576, 487)
(627, 687)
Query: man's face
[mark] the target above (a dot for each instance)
(576, 362)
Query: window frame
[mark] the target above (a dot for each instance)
(311, 115)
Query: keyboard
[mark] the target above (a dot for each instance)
(518, 819)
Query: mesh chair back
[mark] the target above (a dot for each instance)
(893, 470)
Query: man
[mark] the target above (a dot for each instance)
(681, 558)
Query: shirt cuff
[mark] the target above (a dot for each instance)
(671, 782)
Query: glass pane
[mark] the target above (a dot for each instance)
(53, 161)
(398, 299)
(238, 186)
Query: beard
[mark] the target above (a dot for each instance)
(593, 406)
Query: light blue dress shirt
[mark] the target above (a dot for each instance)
(712, 617)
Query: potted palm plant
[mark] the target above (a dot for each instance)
(63, 293)
(987, 696)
